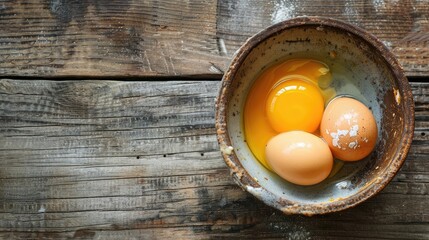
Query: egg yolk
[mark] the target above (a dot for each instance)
(295, 105)
(272, 104)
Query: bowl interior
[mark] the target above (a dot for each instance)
(358, 69)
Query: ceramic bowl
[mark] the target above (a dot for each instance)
(376, 74)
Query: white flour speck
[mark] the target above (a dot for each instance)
(335, 142)
(351, 12)
(283, 10)
(378, 4)
(354, 130)
(42, 209)
(342, 132)
(387, 43)
(336, 137)
(342, 185)
(348, 117)
(353, 145)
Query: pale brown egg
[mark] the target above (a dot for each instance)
(349, 128)
(299, 157)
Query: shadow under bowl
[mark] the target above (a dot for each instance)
(352, 54)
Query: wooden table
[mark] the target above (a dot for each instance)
(107, 121)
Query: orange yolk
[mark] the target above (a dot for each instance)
(287, 96)
(295, 105)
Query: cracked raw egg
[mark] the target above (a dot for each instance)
(349, 128)
(294, 105)
(285, 97)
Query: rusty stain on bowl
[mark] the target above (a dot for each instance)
(376, 73)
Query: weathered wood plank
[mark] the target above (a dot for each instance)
(112, 160)
(108, 38)
(133, 38)
(402, 25)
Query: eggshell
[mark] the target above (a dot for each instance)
(299, 157)
(349, 128)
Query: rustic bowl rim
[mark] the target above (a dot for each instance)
(242, 177)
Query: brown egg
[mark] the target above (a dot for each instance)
(299, 157)
(349, 128)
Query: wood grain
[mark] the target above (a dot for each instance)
(108, 38)
(131, 160)
(195, 38)
(402, 25)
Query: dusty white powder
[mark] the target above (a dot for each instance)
(336, 137)
(353, 145)
(378, 4)
(348, 117)
(354, 130)
(283, 10)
